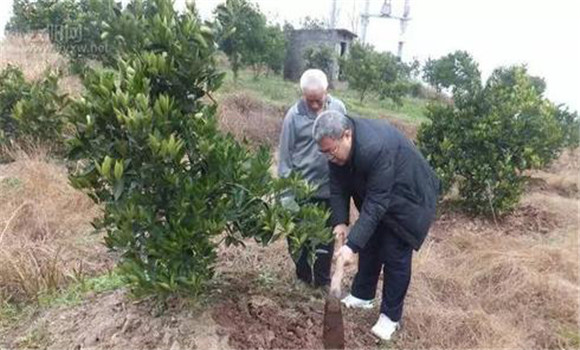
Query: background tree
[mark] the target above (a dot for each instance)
(367, 70)
(40, 15)
(361, 70)
(241, 34)
(322, 58)
(276, 46)
(456, 71)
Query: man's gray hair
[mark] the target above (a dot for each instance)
(330, 124)
(313, 79)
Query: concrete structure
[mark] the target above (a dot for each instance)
(300, 40)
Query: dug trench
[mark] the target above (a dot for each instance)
(283, 319)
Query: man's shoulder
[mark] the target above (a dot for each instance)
(292, 111)
(366, 125)
(371, 136)
(336, 103)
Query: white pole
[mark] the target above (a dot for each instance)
(403, 26)
(364, 21)
(333, 15)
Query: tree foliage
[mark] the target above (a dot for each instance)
(367, 70)
(35, 15)
(456, 71)
(247, 39)
(31, 109)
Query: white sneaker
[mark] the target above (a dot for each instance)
(384, 328)
(351, 301)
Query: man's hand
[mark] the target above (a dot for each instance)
(340, 232)
(346, 254)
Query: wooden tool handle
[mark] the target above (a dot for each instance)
(336, 279)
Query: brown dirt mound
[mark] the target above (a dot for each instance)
(245, 116)
(257, 322)
(246, 320)
(114, 321)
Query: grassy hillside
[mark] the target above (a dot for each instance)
(281, 93)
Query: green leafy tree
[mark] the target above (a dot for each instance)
(485, 144)
(361, 69)
(456, 71)
(367, 70)
(81, 37)
(570, 125)
(173, 187)
(241, 35)
(37, 15)
(275, 53)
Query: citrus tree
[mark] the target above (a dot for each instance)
(172, 186)
(485, 143)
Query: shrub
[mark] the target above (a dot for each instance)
(31, 110)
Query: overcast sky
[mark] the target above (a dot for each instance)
(545, 35)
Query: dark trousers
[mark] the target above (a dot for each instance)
(386, 251)
(320, 272)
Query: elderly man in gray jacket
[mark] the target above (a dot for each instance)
(299, 153)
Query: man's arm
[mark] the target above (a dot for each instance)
(339, 196)
(378, 196)
(286, 146)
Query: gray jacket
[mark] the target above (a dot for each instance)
(298, 150)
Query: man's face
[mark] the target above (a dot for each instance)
(315, 99)
(337, 151)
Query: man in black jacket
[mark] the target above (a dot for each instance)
(395, 191)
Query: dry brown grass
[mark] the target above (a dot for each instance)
(44, 228)
(245, 116)
(34, 54)
(562, 177)
(515, 285)
(489, 290)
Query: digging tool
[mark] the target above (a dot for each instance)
(333, 327)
